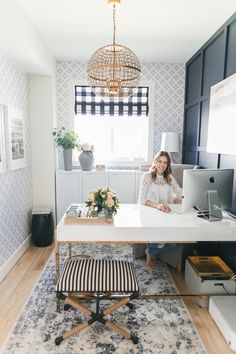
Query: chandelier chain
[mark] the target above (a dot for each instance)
(114, 24)
(114, 70)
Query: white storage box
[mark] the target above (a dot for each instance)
(223, 311)
(199, 285)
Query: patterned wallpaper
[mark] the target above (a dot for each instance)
(169, 96)
(15, 186)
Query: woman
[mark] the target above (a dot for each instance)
(158, 189)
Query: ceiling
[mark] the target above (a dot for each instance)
(156, 30)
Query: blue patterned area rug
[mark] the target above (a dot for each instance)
(163, 326)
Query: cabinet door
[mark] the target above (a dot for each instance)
(92, 181)
(139, 175)
(123, 183)
(68, 190)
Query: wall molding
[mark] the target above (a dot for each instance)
(212, 63)
(9, 264)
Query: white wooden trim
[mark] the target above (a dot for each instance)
(14, 258)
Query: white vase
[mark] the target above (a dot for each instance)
(86, 160)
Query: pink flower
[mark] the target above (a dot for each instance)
(91, 196)
(103, 199)
(109, 203)
(110, 195)
(85, 147)
(109, 199)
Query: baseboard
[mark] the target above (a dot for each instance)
(9, 264)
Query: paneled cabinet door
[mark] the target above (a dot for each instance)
(92, 181)
(68, 190)
(139, 175)
(123, 183)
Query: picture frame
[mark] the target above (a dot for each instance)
(2, 142)
(16, 138)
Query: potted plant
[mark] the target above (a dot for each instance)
(103, 200)
(67, 140)
(86, 158)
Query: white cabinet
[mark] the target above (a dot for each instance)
(137, 184)
(123, 183)
(74, 186)
(68, 190)
(92, 181)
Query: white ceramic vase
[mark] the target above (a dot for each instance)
(86, 160)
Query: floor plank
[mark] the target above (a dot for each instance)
(16, 287)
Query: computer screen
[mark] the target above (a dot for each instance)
(198, 185)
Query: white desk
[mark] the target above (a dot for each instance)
(136, 223)
(140, 224)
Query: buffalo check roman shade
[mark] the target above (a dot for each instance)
(86, 102)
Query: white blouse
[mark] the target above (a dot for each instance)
(158, 191)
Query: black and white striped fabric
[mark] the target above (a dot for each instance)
(91, 275)
(86, 102)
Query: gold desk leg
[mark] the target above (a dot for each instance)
(70, 248)
(57, 255)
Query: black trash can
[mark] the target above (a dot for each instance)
(42, 227)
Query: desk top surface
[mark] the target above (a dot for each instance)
(138, 223)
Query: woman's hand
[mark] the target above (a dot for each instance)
(164, 207)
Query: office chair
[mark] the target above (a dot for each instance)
(88, 278)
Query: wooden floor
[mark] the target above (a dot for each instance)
(16, 287)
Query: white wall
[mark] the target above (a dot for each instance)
(24, 52)
(43, 117)
(20, 40)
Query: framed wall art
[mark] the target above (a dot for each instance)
(15, 119)
(2, 150)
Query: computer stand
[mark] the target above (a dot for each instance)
(215, 213)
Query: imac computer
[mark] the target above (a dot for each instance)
(208, 190)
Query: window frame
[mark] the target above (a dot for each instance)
(151, 85)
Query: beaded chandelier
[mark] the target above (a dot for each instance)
(113, 70)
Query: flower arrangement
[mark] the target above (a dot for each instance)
(87, 147)
(103, 200)
(67, 139)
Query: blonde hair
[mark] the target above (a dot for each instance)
(167, 172)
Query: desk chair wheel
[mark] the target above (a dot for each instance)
(58, 340)
(134, 339)
(130, 306)
(67, 307)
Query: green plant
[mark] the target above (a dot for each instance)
(67, 139)
(103, 199)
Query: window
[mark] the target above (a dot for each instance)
(119, 131)
(115, 138)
